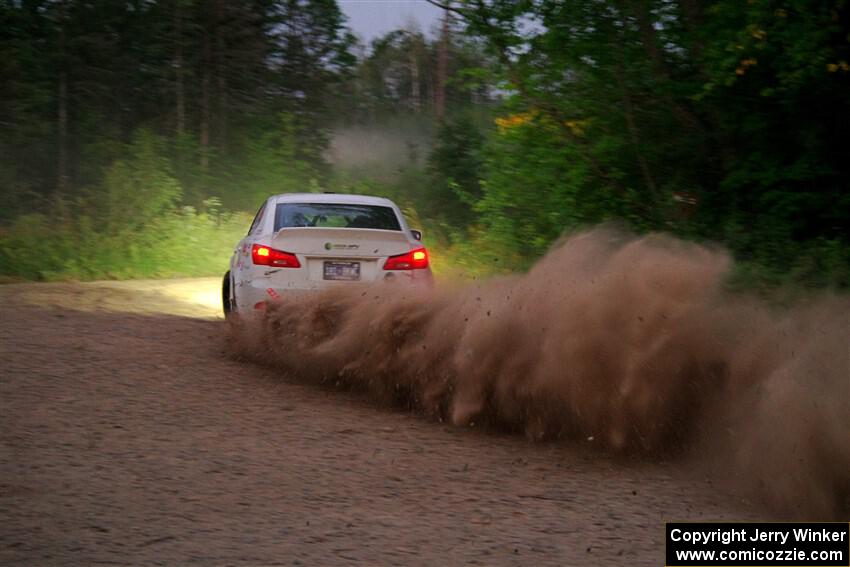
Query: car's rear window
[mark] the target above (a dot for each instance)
(293, 215)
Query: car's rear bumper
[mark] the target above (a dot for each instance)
(255, 294)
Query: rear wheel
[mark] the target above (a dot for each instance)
(226, 303)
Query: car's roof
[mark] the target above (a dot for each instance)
(332, 198)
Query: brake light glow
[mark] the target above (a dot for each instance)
(413, 260)
(265, 256)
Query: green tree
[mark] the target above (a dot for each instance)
(136, 189)
(455, 165)
(704, 119)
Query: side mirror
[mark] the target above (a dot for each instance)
(417, 234)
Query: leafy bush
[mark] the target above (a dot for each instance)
(129, 226)
(181, 242)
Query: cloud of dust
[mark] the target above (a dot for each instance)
(388, 147)
(631, 341)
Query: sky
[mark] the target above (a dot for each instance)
(373, 18)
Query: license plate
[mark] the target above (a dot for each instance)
(342, 271)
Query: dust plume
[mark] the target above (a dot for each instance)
(385, 147)
(632, 342)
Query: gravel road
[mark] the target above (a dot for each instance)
(128, 437)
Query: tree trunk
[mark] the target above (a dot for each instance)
(442, 70)
(205, 104)
(415, 93)
(681, 112)
(62, 134)
(179, 95)
(62, 106)
(693, 18)
(221, 71)
(634, 135)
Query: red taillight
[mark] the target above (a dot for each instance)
(265, 256)
(413, 260)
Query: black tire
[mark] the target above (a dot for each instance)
(226, 303)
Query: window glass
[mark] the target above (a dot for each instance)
(332, 215)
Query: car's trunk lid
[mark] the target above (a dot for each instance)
(341, 242)
(342, 254)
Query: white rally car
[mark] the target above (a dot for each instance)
(308, 241)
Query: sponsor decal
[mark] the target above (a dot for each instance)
(332, 246)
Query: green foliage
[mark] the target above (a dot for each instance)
(129, 226)
(455, 165)
(401, 71)
(180, 242)
(531, 186)
(273, 163)
(78, 79)
(135, 190)
(819, 264)
(722, 121)
(778, 83)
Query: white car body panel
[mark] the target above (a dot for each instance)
(252, 284)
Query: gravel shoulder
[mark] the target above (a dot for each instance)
(129, 437)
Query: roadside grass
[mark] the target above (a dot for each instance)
(181, 243)
(185, 242)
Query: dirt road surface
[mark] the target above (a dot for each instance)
(128, 437)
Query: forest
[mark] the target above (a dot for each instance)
(138, 137)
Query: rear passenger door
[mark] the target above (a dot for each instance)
(242, 254)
